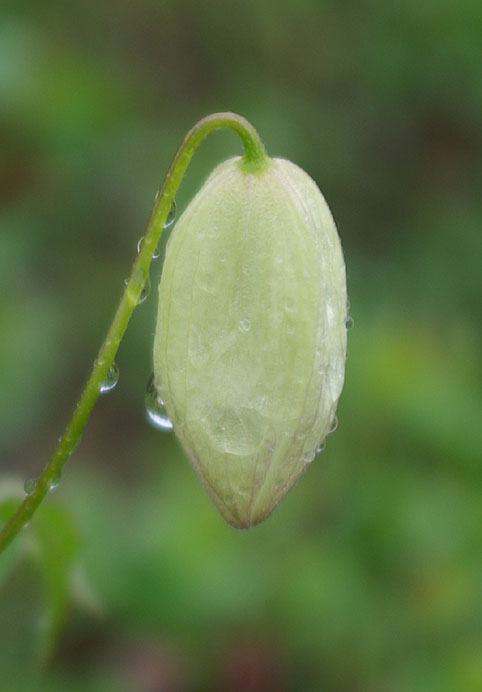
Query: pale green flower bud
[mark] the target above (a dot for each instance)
(250, 343)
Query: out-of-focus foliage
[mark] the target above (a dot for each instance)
(366, 577)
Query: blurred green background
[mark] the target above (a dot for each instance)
(367, 577)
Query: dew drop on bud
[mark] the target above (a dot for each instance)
(244, 325)
(349, 323)
(155, 410)
(111, 379)
(309, 456)
(334, 424)
(320, 448)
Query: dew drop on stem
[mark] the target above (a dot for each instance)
(111, 379)
(155, 255)
(171, 217)
(145, 289)
(29, 486)
(55, 482)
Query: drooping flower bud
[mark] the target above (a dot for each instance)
(250, 343)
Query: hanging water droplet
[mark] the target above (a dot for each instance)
(244, 325)
(320, 448)
(145, 290)
(29, 486)
(54, 483)
(349, 323)
(334, 424)
(309, 456)
(171, 217)
(111, 379)
(155, 255)
(155, 410)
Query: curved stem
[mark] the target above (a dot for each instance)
(254, 159)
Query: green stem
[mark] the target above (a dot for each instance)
(254, 159)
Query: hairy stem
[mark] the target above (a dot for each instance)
(254, 159)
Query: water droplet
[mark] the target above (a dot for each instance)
(29, 486)
(155, 255)
(334, 424)
(320, 448)
(309, 456)
(145, 290)
(171, 217)
(111, 379)
(155, 409)
(244, 325)
(54, 483)
(349, 323)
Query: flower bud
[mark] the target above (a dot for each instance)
(250, 343)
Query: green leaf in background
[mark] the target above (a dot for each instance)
(44, 557)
